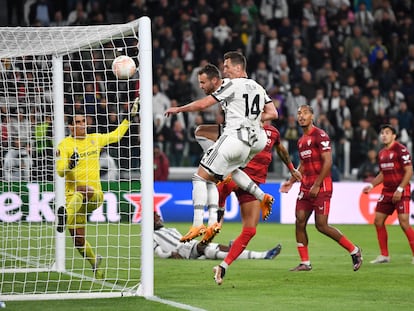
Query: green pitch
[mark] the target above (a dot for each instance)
(267, 284)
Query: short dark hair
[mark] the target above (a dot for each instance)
(211, 71)
(388, 126)
(306, 106)
(71, 117)
(236, 58)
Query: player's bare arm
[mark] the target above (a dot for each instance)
(376, 181)
(325, 171)
(287, 185)
(197, 105)
(284, 156)
(408, 173)
(269, 112)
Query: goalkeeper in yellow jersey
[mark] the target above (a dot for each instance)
(78, 162)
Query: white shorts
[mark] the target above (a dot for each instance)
(229, 153)
(188, 250)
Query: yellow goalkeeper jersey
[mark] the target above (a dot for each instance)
(87, 171)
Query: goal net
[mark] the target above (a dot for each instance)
(45, 75)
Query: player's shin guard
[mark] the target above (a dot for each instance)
(212, 202)
(245, 183)
(200, 196)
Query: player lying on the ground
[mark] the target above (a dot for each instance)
(167, 245)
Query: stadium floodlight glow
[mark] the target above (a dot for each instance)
(45, 73)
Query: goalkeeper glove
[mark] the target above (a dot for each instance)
(135, 107)
(127, 115)
(74, 159)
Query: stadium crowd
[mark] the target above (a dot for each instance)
(352, 61)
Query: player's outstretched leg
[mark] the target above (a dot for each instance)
(271, 254)
(193, 233)
(266, 206)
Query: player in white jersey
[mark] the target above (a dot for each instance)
(167, 244)
(245, 104)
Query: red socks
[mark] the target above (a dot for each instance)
(239, 244)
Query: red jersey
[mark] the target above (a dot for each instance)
(311, 146)
(391, 163)
(258, 166)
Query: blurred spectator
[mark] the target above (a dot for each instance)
(363, 110)
(378, 101)
(160, 102)
(15, 12)
(345, 135)
(291, 133)
(369, 168)
(342, 113)
(307, 85)
(263, 75)
(188, 47)
(324, 123)
(277, 58)
(405, 118)
(294, 100)
(178, 143)
(407, 89)
(365, 138)
(41, 11)
(78, 16)
(319, 103)
(17, 162)
(109, 169)
(174, 61)
(161, 164)
(364, 19)
(386, 76)
(222, 31)
(358, 39)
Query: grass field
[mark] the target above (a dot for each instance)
(267, 284)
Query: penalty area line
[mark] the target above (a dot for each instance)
(174, 304)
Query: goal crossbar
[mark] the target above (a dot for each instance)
(58, 40)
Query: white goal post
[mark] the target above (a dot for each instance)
(45, 74)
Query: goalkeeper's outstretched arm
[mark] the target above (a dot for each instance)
(120, 131)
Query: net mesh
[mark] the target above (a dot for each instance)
(28, 179)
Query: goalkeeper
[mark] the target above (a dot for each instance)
(78, 162)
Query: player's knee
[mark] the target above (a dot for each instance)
(79, 241)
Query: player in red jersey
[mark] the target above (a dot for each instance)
(315, 190)
(396, 170)
(257, 170)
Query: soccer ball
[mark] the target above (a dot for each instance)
(123, 67)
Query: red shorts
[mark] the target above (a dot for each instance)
(226, 188)
(385, 205)
(320, 204)
(244, 196)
